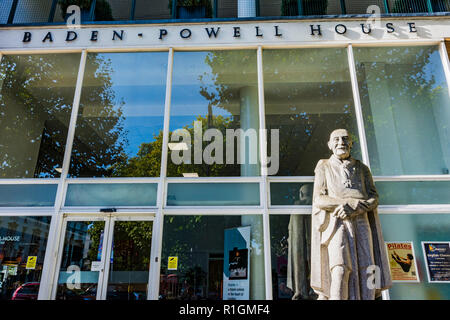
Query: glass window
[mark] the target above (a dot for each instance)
(217, 258)
(152, 10)
(32, 11)
(290, 241)
(23, 241)
(406, 109)
(121, 116)
(417, 228)
(214, 94)
(130, 261)
(36, 96)
(413, 192)
(82, 253)
(109, 194)
(5, 8)
(291, 193)
(213, 194)
(308, 94)
(27, 195)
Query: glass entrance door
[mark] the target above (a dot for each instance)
(105, 258)
(128, 260)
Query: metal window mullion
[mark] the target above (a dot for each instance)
(358, 107)
(132, 10)
(58, 257)
(102, 287)
(264, 182)
(155, 258)
(71, 132)
(445, 63)
(56, 225)
(51, 16)
(12, 12)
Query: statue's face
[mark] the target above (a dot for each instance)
(340, 143)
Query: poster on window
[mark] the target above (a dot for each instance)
(437, 260)
(402, 261)
(236, 265)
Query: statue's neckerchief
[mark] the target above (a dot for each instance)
(345, 167)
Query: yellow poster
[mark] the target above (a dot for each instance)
(402, 261)
(31, 262)
(172, 263)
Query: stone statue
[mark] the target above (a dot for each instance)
(299, 243)
(348, 255)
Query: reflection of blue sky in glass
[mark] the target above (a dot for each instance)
(187, 102)
(139, 80)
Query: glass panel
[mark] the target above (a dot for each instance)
(130, 260)
(112, 10)
(290, 239)
(36, 96)
(152, 10)
(121, 116)
(417, 228)
(226, 9)
(23, 241)
(206, 248)
(409, 6)
(413, 192)
(108, 194)
(81, 260)
(215, 91)
(361, 6)
(272, 8)
(32, 11)
(406, 109)
(307, 94)
(5, 8)
(291, 193)
(27, 195)
(213, 194)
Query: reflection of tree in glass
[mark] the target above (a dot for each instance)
(95, 230)
(308, 95)
(131, 245)
(230, 71)
(406, 75)
(147, 161)
(100, 136)
(35, 105)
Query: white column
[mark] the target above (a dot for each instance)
(249, 120)
(358, 108)
(264, 192)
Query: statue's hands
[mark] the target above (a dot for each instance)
(362, 207)
(342, 212)
(359, 206)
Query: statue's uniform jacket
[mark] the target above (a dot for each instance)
(355, 242)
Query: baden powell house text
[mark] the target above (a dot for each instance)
(230, 32)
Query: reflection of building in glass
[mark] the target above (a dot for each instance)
(20, 238)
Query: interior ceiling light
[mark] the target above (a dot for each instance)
(178, 146)
(190, 175)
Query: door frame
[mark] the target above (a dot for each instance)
(109, 219)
